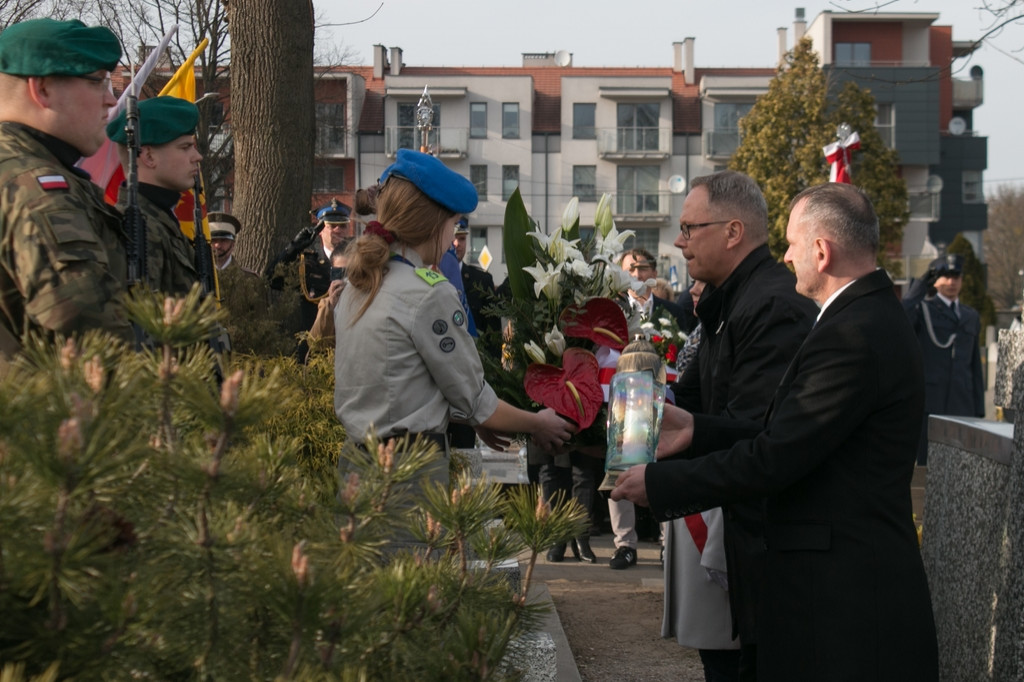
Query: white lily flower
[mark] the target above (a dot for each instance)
(535, 352)
(547, 280)
(603, 220)
(613, 243)
(580, 268)
(555, 341)
(571, 214)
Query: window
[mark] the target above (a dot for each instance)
(644, 238)
(509, 181)
(408, 133)
(638, 127)
(584, 182)
(478, 119)
(583, 121)
(853, 54)
(885, 123)
(973, 187)
(478, 176)
(330, 128)
(510, 120)
(637, 189)
(477, 242)
(328, 178)
(724, 139)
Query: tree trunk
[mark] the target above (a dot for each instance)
(272, 120)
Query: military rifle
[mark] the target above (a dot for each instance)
(134, 222)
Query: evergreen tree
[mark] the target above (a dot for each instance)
(783, 137)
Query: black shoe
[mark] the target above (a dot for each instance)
(581, 550)
(623, 559)
(556, 553)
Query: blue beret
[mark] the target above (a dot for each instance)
(334, 212)
(47, 47)
(436, 180)
(161, 120)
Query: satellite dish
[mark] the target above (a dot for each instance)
(934, 184)
(977, 73)
(957, 126)
(563, 58)
(676, 184)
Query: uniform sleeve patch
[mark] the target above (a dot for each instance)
(459, 318)
(447, 344)
(48, 182)
(429, 276)
(439, 327)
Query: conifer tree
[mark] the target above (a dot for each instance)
(783, 137)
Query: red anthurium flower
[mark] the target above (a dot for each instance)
(572, 390)
(600, 320)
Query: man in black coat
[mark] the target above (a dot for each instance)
(844, 594)
(948, 332)
(479, 287)
(753, 321)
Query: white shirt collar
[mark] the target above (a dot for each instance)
(828, 301)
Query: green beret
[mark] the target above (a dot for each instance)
(161, 120)
(46, 47)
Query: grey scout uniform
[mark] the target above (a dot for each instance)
(170, 258)
(62, 256)
(408, 363)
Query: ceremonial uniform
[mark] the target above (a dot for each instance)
(408, 363)
(170, 257)
(63, 262)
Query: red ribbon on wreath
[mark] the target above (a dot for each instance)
(838, 154)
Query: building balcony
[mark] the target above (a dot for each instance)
(637, 207)
(968, 94)
(450, 143)
(634, 143)
(924, 206)
(721, 143)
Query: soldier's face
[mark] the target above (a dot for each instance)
(222, 248)
(333, 234)
(460, 245)
(949, 286)
(173, 165)
(79, 107)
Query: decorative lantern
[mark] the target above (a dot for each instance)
(636, 399)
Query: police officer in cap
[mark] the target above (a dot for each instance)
(168, 164)
(948, 332)
(404, 361)
(224, 229)
(63, 262)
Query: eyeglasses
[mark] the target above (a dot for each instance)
(685, 228)
(104, 80)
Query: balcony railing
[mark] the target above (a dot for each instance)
(721, 143)
(968, 94)
(443, 142)
(634, 142)
(924, 206)
(641, 205)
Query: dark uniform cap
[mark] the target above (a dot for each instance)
(950, 264)
(446, 187)
(47, 47)
(336, 213)
(223, 225)
(462, 226)
(161, 120)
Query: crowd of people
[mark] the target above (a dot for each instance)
(782, 477)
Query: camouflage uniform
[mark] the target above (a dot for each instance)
(63, 262)
(170, 257)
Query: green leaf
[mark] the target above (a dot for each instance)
(518, 247)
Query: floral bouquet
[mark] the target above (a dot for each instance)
(668, 338)
(563, 307)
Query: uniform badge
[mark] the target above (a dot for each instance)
(48, 182)
(447, 344)
(459, 318)
(439, 327)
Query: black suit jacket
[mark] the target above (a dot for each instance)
(844, 594)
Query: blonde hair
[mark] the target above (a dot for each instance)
(407, 213)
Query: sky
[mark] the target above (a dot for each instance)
(616, 33)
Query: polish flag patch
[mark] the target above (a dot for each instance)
(49, 182)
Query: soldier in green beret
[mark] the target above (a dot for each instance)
(63, 262)
(168, 163)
